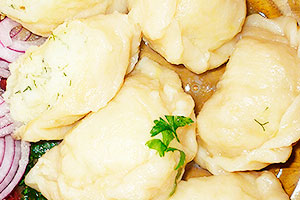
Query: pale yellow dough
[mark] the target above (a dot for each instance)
(43, 16)
(232, 186)
(196, 33)
(105, 156)
(78, 70)
(253, 118)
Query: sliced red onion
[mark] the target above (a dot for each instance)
(14, 167)
(13, 44)
(7, 125)
(4, 64)
(22, 46)
(15, 31)
(2, 146)
(4, 109)
(25, 150)
(9, 154)
(6, 25)
(4, 73)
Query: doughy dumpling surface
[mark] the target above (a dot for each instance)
(252, 120)
(105, 156)
(232, 186)
(43, 16)
(73, 73)
(190, 32)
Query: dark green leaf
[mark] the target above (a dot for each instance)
(160, 125)
(168, 129)
(157, 145)
(36, 151)
(182, 157)
(181, 160)
(178, 121)
(167, 136)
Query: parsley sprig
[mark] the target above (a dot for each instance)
(168, 130)
(36, 151)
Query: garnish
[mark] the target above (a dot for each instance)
(168, 129)
(37, 150)
(53, 36)
(27, 88)
(261, 124)
(34, 83)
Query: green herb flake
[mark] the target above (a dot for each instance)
(27, 88)
(34, 83)
(70, 83)
(168, 130)
(12, 6)
(52, 36)
(17, 92)
(65, 74)
(261, 124)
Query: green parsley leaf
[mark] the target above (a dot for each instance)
(36, 151)
(168, 130)
(157, 145)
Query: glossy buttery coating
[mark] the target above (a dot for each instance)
(232, 186)
(73, 73)
(252, 120)
(105, 156)
(196, 33)
(43, 16)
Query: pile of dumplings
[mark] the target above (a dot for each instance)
(90, 88)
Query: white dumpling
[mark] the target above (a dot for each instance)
(105, 157)
(252, 120)
(195, 33)
(43, 16)
(232, 186)
(79, 69)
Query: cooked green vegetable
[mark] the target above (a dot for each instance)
(36, 151)
(168, 130)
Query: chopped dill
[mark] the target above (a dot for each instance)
(261, 124)
(27, 88)
(34, 83)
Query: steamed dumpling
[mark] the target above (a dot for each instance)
(43, 16)
(105, 157)
(232, 186)
(79, 69)
(253, 118)
(195, 33)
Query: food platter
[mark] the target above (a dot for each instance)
(202, 86)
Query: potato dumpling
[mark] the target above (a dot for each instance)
(105, 157)
(196, 33)
(73, 73)
(252, 120)
(232, 186)
(43, 16)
